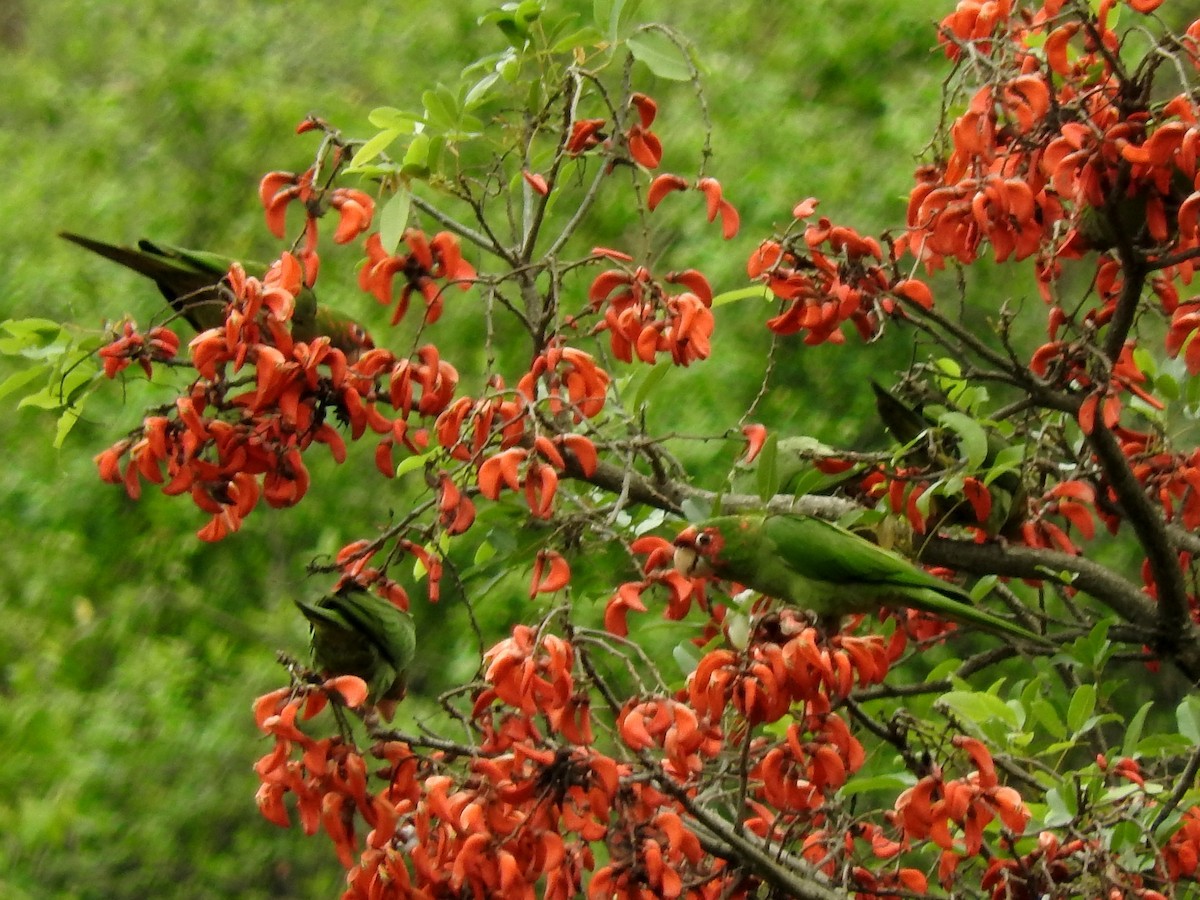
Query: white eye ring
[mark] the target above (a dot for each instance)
(703, 539)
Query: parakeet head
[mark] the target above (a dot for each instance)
(358, 338)
(697, 549)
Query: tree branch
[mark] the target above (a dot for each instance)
(1147, 523)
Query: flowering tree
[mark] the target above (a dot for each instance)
(1043, 461)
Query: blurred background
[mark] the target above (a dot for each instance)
(130, 652)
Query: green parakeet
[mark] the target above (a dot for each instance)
(189, 280)
(358, 633)
(823, 568)
(940, 437)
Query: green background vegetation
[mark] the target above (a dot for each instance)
(129, 651)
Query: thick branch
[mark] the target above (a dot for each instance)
(1147, 523)
(633, 485)
(1016, 561)
(1118, 594)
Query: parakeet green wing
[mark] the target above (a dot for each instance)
(187, 279)
(190, 280)
(358, 633)
(943, 448)
(823, 568)
(822, 551)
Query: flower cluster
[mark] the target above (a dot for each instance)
(1066, 363)
(786, 664)
(523, 815)
(830, 276)
(328, 778)
(157, 345)
(714, 196)
(1074, 503)
(428, 261)
(643, 319)
(1182, 853)
(278, 190)
(1058, 157)
(644, 145)
(230, 449)
(930, 808)
(1171, 477)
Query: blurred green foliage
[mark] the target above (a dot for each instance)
(129, 651)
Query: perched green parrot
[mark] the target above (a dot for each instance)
(189, 280)
(823, 568)
(937, 440)
(358, 633)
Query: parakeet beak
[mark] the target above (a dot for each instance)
(687, 561)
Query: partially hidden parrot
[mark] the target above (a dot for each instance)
(190, 280)
(936, 442)
(355, 632)
(823, 568)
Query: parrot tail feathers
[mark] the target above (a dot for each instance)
(940, 605)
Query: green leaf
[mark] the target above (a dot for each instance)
(393, 218)
(480, 90)
(374, 147)
(1144, 360)
(1060, 808)
(28, 336)
(416, 158)
(483, 553)
(1125, 835)
(1133, 730)
(527, 11)
(1048, 717)
(42, 399)
(754, 291)
(388, 118)
(20, 378)
(685, 657)
(943, 669)
(614, 15)
(654, 518)
(32, 327)
(888, 784)
(514, 19)
(508, 24)
(1166, 386)
(983, 587)
(1083, 704)
(66, 422)
(660, 55)
(440, 107)
(376, 170)
(695, 510)
(1095, 649)
(588, 36)
(1154, 744)
(1187, 715)
(767, 473)
(651, 379)
(949, 367)
(1008, 459)
(972, 437)
(411, 464)
(74, 382)
(975, 707)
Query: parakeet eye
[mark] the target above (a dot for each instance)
(703, 539)
(359, 336)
